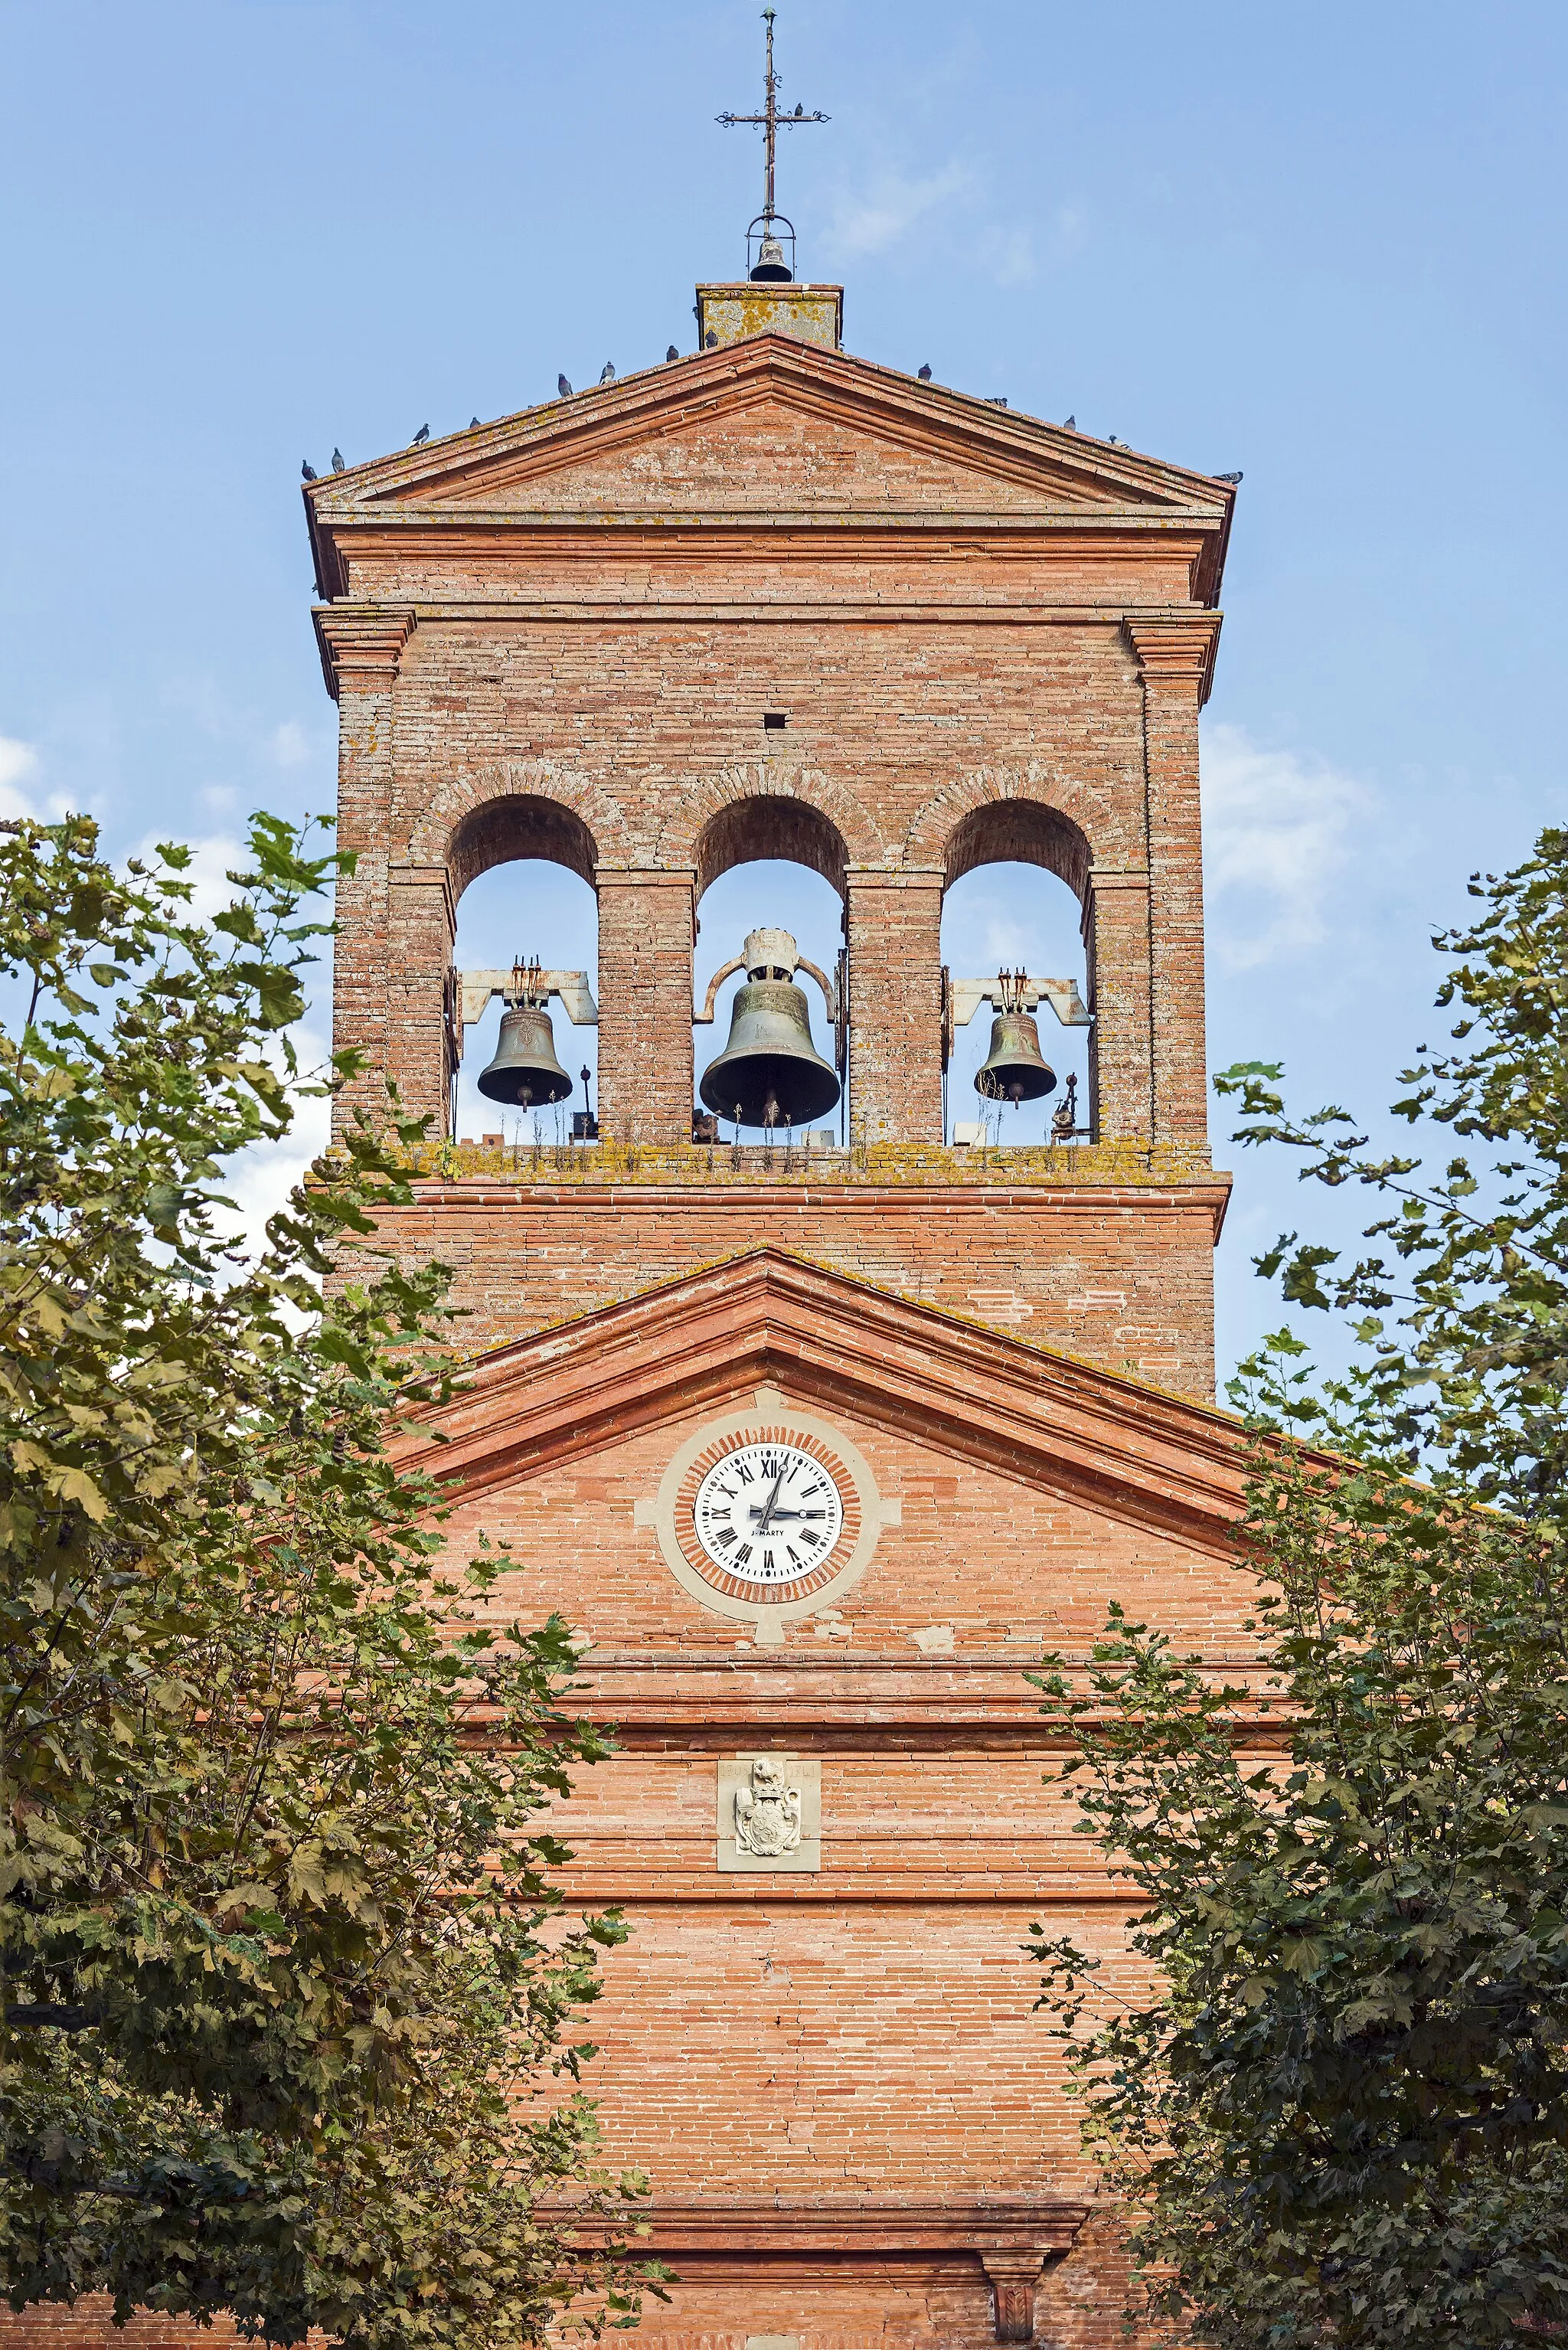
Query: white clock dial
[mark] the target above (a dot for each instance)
(768, 1512)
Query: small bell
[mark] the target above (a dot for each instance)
(524, 1070)
(770, 267)
(770, 1074)
(1015, 1069)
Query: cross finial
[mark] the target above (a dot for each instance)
(770, 123)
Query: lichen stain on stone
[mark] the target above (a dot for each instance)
(734, 313)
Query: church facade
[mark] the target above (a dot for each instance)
(815, 1440)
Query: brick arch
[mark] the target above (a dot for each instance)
(994, 816)
(789, 829)
(524, 824)
(770, 810)
(517, 808)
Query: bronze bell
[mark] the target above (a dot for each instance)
(524, 1070)
(771, 267)
(770, 1074)
(1015, 1069)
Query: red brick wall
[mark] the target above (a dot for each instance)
(1118, 1273)
(866, 2032)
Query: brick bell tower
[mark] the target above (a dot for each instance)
(815, 1441)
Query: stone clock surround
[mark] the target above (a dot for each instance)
(770, 1416)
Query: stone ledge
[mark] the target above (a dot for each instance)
(1061, 1167)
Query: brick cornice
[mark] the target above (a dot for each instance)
(362, 642)
(1062, 1426)
(483, 475)
(1011, 2239)
(1175, 648)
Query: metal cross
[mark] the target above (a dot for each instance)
(772, 121)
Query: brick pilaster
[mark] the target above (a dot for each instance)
(1116, 932)
(1176, 656)
(421, 929)
(645, 1004)
(895, 930)
(360, 653)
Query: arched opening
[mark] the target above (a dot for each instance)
(522, 869)
(1016, 874)
(768, 864)
(770, 829)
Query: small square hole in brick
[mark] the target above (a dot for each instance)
(775, 720)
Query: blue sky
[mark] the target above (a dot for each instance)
(1323, 244)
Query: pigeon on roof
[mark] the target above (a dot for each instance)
(671, 354)
(422, 434)
(473, 424)
(338, 465)
(563, 386)
(1227, 477)
(609, 375)
(1071, 425)
(308, 471)
(925, 372)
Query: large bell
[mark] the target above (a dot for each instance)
(524, 1070)
(770, 1072)
(1015, 1069)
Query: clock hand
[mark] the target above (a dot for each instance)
(778, 1515)
(767, 1514)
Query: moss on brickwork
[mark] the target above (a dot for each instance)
(1068, 1165)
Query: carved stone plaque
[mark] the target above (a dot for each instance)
(770, 1813)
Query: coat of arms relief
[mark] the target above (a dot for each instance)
(767, 1810)
(770, 1812)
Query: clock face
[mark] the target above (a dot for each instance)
(766, 1515)
(771, 1512)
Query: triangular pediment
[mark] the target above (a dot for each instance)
(771, 424)
(824, 1339)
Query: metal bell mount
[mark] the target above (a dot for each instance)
(770, 1074)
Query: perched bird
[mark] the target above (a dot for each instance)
(337, 466)
(1227, 477)
(473, 424)
(422, 434)
(563, 386)
(307, 472)
(609, 375)
(1114, 442)
(925, 372)
(1071, 425)
(671, 354)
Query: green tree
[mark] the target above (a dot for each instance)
(1339, 2111)
(292, 2019)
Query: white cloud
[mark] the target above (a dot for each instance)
(1007, 255)
(1277, 833)
(886, 213)
(291, 745)
(16, 760)
(19, 766)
